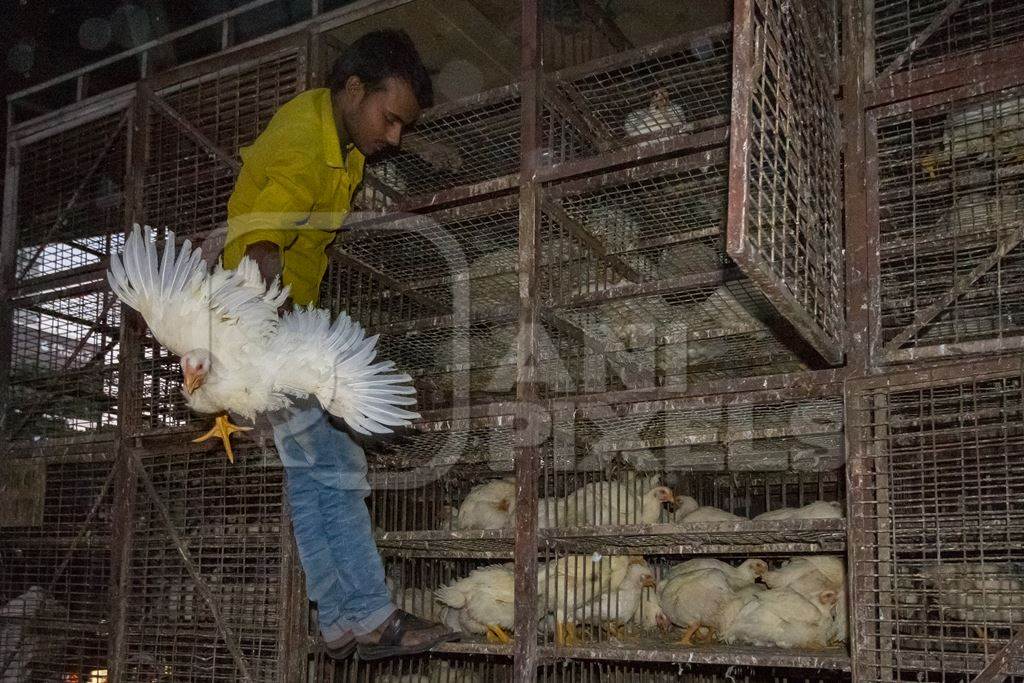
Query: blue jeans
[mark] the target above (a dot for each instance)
(326, 484)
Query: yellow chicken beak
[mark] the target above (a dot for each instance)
(193, 379)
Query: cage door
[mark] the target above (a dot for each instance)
(784, 228)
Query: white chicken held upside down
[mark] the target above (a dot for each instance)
(238, 355)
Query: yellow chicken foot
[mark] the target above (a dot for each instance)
(496, 634)
(687, 638)
(565, 634)
(223, 429)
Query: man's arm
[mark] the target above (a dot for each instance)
(267, 256)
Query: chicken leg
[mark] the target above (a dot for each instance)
(496, 634)
(565, 634)
(223, 429)
(687, 638)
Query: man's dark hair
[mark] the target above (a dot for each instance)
(379, 55)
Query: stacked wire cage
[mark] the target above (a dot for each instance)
(638, 298)
(934, 462)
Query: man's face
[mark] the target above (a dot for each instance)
(376, 119)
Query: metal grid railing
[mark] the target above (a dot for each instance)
(64, 365)
(434, 668)
(670, 672)
(225, 531)
(70, 198)
(55, 571)
(938, 529)
(679, 85)
(951, 218)
(912, 34)
(188, 182)
(785, 226)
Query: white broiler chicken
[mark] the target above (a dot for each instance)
(576, 580)
(655, 120)
(780, 617)
(689, 511)
(238, 355)
(981, 595)
(616, 607)
(633, 501)
(555, 512)
(484, 600)
(490, 505)
(817, 510)
(810, 576)
(648, 615)
(695, 592)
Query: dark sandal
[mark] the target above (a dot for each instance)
(400, 623)
(341, 648)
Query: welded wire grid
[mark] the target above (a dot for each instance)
(951, 218)
(471, 141)
(680, 85)
(228, 520)
(789, 233)
(595, 671)
(679, 337)
(55, 570)
(662, 221)
(439, 668)
(940, 567)
(70, 197)
(910, 34)
(186, 185)
(64, 366)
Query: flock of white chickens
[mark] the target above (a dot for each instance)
(800, 604)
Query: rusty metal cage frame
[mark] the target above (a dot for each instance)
(133, 447)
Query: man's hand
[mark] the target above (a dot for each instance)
(267, 256)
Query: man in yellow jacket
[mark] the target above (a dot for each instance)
(294, 190)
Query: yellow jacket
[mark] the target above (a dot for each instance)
(294, 190)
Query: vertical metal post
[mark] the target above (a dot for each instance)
(8, 263)
(529, 417)
(129, 403)
(858, 287)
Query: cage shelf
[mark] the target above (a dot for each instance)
(489, 543)
(751, 538)
(829, 659)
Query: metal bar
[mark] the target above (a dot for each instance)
(976, 347)
(713, 278)
(947, 73)
(197, 135)
(527, 453)
(1007, 243)
(574, 228)
(858, 283)
(92, 272)
(8, 261)
(200, 583)
(952, 87)
(995, 670)
(133, 330)
(72, 116)
(581, 117)
(951, 7)
(606, 25)
(58, 222)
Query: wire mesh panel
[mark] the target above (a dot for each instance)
(223, 546)
(936, 477)
(55, 566)
(187, 182)
(693, 317)
(680, 85)
(910, 34)
(784, 217)
(70, 197)
(432, 668)
(64, 364)
(950, 194)
(621, 672)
